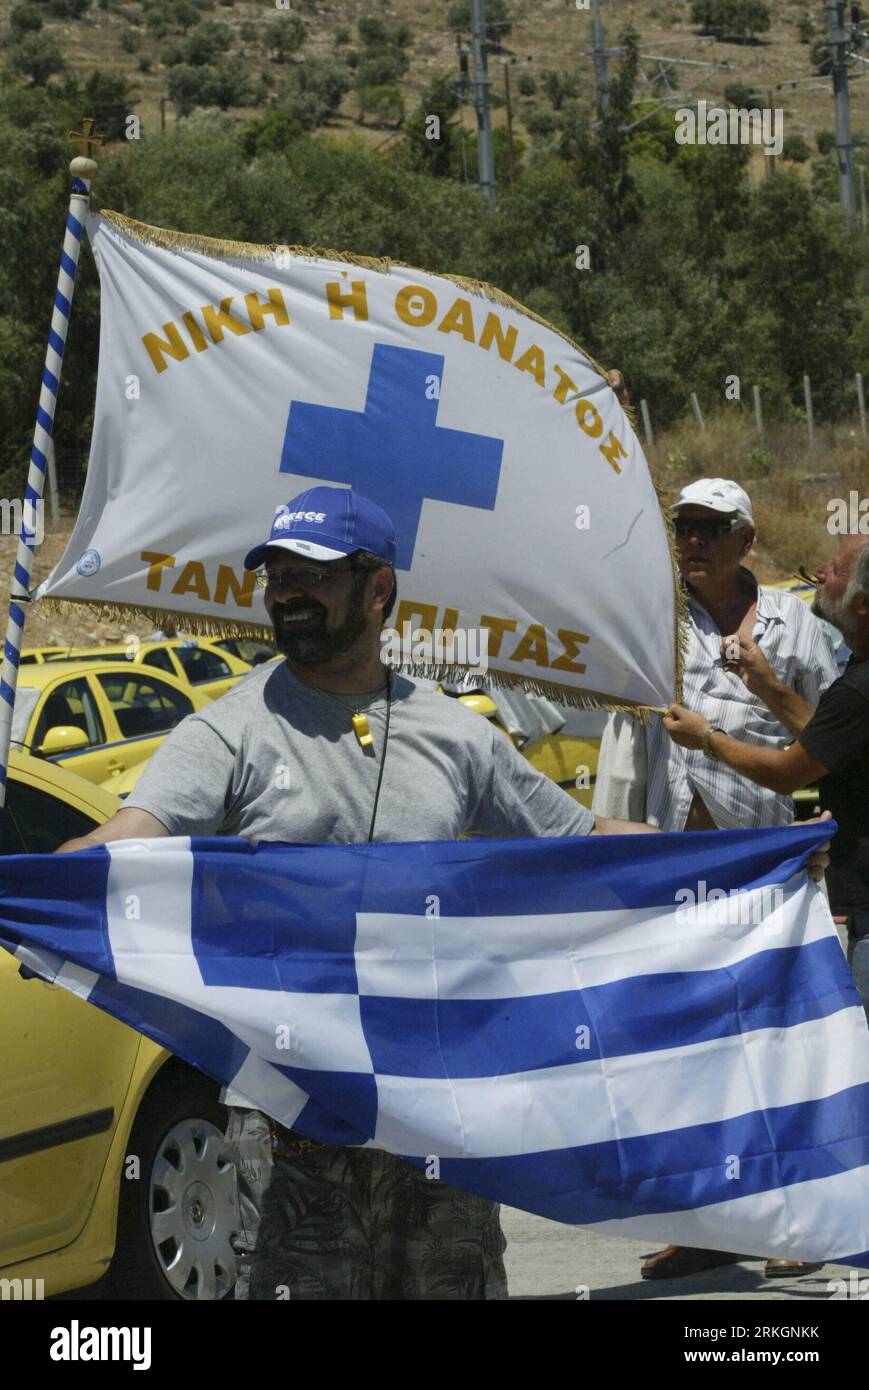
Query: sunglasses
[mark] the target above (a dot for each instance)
(301, 577)
(708, 527)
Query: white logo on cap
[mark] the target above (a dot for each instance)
(283, 521)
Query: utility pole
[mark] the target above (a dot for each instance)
(482, 103)
(838, 58)
(510, 124)
(601, 95)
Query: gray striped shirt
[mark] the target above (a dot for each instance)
(794, 644)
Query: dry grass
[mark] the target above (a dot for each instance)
(789, 483)
(79, 627)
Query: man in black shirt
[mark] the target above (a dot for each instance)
(831, 742)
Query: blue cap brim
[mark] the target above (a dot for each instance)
(255, 559)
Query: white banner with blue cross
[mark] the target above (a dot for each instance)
(232, 377)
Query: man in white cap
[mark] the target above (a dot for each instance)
(689, 789)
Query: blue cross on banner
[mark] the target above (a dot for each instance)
(394, 451)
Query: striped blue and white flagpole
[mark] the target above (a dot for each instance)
(82, 170)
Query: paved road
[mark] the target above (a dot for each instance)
(546, 1260)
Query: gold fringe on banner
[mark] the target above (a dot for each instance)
(200, 625)
(506, 680)
(683, 617)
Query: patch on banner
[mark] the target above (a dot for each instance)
(89, 563)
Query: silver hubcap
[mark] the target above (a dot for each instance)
(194, 1210)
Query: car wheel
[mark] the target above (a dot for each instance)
(176, 1219)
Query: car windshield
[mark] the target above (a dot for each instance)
(250, 649)
(25, 703)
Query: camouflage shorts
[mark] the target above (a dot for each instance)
(335, 1223)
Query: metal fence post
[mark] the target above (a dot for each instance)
(647, 424)
(810, 421)
(758, 412)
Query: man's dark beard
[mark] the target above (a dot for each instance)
(315, 645)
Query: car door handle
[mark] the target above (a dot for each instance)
(115, 766)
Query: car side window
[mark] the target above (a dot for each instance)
(201, 665)
(73, 706)
(35, 822)
(144, 704)
(159, 658)
(249, 649)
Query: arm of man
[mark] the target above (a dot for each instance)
(517, 800)
(604, 825)
(127, 824)
(184, 790)
(753, 669)
(782, 770)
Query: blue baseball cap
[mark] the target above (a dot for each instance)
(327, 523)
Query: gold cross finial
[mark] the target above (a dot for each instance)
(86, 137)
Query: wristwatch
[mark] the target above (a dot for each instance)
(710, 752)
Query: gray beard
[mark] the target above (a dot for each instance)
(835, 611)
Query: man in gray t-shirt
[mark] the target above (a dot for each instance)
(273, 760)
(329, 747)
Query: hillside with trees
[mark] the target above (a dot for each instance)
(311, 125)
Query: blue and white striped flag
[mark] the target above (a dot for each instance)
(584, 1028)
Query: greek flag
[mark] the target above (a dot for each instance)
(655, 1035)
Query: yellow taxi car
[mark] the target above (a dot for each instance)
(196, 662)
(111, 1149)
(253, 651)
(102, 720)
